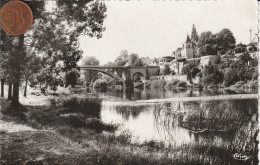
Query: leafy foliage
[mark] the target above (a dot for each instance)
(90, 76)
(210, 44)
(194, 34)
(165, 70)
(131, 60)
(71, 77)
(191, 69)
(175, 84)
(54, 37)
(100, 83)
(134, 60)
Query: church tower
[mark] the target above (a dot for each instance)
(189, 48)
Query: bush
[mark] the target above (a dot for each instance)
(238, 84)
(87, 106)
(109, 80)
(214, 78)
(252, 85)
(172, 84)
(182, 84)
(165, 70)
(154, 78)
(158, 84)
(139, 84)
(255, 75)
(197, 85)
(147, 84)
(175, 84)
(100, 83)
(71, 78)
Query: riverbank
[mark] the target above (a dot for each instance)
(53, 135)
(44, 139)
(202, 98)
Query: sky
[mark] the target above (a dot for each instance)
(156, 28)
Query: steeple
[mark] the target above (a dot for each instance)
(188, 38)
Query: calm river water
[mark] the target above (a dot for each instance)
(176, 122)
(146, 94)
(231, 123)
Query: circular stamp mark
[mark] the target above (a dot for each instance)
(15, 17)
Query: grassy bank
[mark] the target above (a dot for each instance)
(71, 133)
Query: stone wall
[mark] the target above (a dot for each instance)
(178, 77)
(205, 60)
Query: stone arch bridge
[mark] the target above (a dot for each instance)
(125, 73)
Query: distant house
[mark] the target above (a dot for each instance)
(165, 60)
(154, 62)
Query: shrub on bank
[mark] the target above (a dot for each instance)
(251, 85)
(147, 84)
(182, 84)
(158, 84)
(139, 84)
(175, 84)
(172, 84)
(239, 84)
(154, 78)
(100, 84)
(87, 106)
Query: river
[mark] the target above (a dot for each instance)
(175, 124)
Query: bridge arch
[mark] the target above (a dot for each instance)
(107, 73)
(138, 70)
(138, 75)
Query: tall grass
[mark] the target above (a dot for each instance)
(87, 106)
(229, 127)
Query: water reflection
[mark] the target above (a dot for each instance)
(231, 123)
(146, 94)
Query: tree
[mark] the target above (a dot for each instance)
(14, 52)
(71, 77)
(165, 70)
(191, 69)
(90, 60)
(54, 35)
(123, 55)
(11, 61)
(90, 76)
(134, 60)
(206, 38)
(210, 44)
(122, 59)
(31, 68)
(194, 34)
(145, 60)
(225, 39)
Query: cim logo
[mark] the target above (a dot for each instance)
(240, 156)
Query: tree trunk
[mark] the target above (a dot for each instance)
(2, 87)
(15, 100)
(25, 88)
(10, 91)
